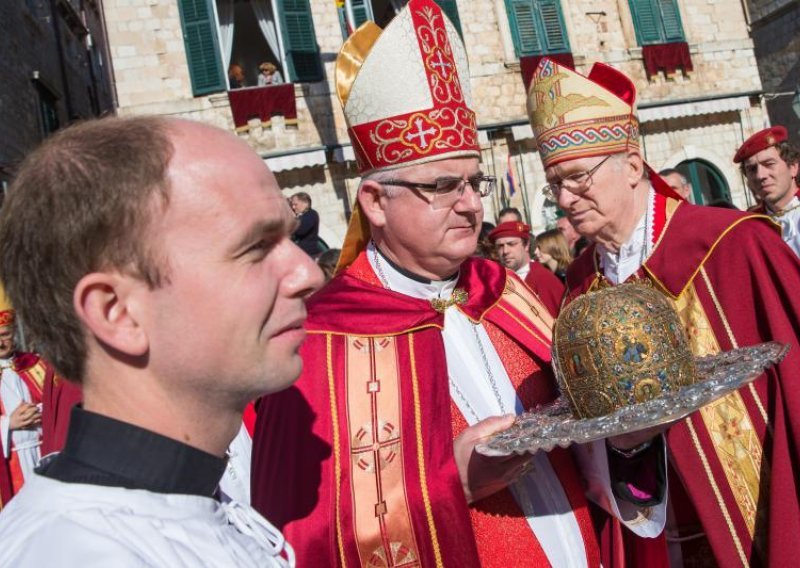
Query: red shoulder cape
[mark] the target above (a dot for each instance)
(546, 285)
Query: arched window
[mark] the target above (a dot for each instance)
(708, 183)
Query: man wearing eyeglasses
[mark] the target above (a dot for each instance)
(416, 350)
(734, 464)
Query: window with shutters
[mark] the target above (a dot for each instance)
(656, 21)
(537, 27)
(227, 41)
(202, 49)
(382, 12)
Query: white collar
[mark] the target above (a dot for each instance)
(618, 267)
(395, 280)
(524, 270)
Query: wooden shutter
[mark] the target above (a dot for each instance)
(300, 41)
(202, 48)
(553, 24)
(450, 8)
(646, 20)
(524, 31)
(361, 11)
(656, 21)
(671, 17)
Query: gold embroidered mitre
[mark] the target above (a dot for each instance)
(579, 117)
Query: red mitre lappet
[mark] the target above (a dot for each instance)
(406, 98)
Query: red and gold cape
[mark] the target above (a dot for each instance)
(355, 462)
(735, 284)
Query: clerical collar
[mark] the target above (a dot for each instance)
(103, 451)
(618, 267)
(406, 282)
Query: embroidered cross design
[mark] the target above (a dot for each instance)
(421, 134)
(441, 65)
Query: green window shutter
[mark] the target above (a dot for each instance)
(524, 29)
(361, 12)
(450, 8)
(202, 49)
(553, 23)
(647, 21)
(299, 41)
(671, 17)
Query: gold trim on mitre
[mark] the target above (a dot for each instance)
(356, 239)
(352, 56)
(579, 117)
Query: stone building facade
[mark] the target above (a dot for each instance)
(775, 27)
(693, 118)
(55, 69)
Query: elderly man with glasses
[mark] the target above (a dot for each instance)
(417, 350)
(734, 282)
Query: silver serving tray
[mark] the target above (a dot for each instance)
(552, 425)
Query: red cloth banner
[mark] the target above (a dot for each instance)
(528, 64)
(667, 57)
(263, 103)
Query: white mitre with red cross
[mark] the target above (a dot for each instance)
(405, 91)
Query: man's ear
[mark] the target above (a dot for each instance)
(106, 304)
(793, 170)
(372, 199)
(634, 168)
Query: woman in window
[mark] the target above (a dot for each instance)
(269, 75)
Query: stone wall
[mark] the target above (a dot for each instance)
(152, 77)
(775, 25)
(33, 40)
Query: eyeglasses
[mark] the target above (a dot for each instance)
(445, 192)
(577, 184)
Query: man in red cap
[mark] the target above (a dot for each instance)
(511, 240)
(770, 163)
(734, 283)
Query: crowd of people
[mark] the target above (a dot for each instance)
(211, 398)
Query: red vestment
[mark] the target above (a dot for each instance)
(6, 486)
(58, 398)
(546, 285)
(380, 479)
(735, 284)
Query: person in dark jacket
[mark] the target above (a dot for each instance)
(307, 233)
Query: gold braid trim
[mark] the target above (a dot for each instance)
(735, 345)
(421, 455)
(337, 458)
(717, 494)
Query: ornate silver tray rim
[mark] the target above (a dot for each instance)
(552, 425)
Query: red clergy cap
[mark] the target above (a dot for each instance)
(760, 141)
(510, 229)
